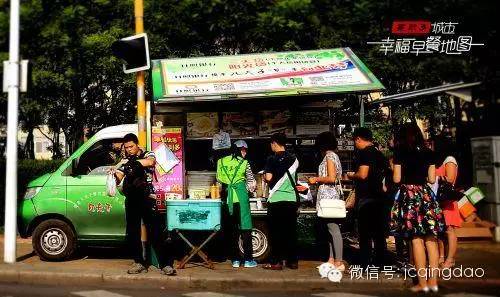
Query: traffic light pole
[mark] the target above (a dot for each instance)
(10, 231)
(141, 99)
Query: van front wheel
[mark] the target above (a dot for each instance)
(54, 240)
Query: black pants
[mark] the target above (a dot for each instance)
(372, 231)
(232, 235)
(282, 223)
(142, 208)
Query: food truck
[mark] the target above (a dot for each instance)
(198, 103)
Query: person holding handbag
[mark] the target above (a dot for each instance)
(328, 179)
(446, 176)
(371, 167)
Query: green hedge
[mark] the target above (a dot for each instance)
(27, 170)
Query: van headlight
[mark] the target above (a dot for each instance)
(31, 192)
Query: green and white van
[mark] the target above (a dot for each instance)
(70, 206)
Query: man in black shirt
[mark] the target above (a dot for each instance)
(371, 167)
(280, 174)
(140, 204)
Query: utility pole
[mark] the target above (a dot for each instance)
(361, 111)
(12, 123)
(141, 101)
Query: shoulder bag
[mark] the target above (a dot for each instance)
(333, 208)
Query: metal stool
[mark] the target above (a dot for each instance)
(196, 250)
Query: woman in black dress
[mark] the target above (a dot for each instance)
(416, 214)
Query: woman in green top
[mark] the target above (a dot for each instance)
(235, 174)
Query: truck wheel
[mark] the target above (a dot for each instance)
(260, 242)
(54, 240)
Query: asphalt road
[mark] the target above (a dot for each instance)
(14, 290)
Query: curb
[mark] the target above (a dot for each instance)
(189, 282)
(181, 282)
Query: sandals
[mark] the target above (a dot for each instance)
(273, 266)
(340, 267)
(441, 261)
(419, 289)
(449, 263)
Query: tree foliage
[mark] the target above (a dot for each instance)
(78, 84)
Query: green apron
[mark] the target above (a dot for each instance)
(240, 189)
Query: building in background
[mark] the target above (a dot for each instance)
(42, 142)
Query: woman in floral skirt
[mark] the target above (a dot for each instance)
(416, 214)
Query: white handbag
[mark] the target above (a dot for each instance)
(331, 208)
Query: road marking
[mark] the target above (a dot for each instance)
(466, 295)
(335, 294)
(98, 293)
(209, 294)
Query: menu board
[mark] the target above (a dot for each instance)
(345, 145)
(168, 146)
(239, 123)
(274, 121)
(312, 122)
(202, 124)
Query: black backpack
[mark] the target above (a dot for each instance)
(135, 182)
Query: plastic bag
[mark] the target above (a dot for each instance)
(111, 185)
(305, 195)
(221, 140)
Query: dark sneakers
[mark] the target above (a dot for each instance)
(168, 270)
(137, 268)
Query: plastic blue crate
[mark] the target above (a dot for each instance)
(193, 214)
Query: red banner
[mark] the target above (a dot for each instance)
(168, 146)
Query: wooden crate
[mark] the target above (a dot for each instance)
(475, 229)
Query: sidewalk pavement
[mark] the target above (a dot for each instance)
(105, 268)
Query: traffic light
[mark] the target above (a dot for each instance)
(134, 50)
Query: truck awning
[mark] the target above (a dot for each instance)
(456, 89)
(314, 72)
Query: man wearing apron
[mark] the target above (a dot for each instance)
(234, 172)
